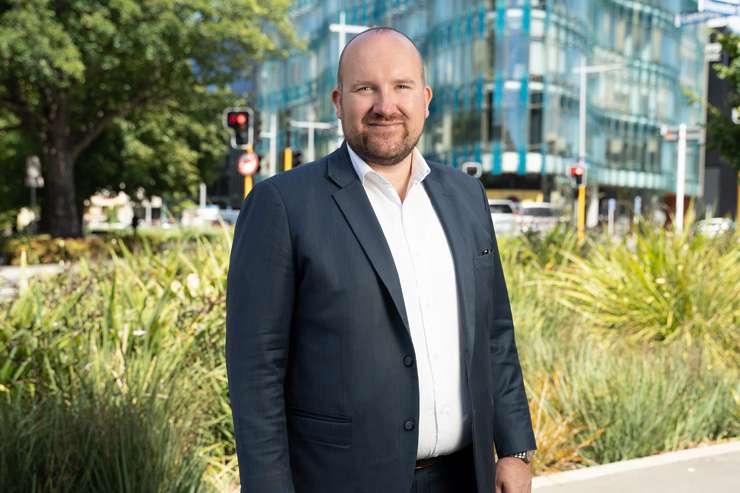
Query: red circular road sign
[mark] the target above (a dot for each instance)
(248, 163)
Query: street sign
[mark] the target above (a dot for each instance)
(719, 7)
(670, 134)
(713, 52)
(248, 163)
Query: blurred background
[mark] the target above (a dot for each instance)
(606, 134)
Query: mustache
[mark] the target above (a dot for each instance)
(376, 118)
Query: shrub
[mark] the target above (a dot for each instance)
(115, 326)
(661, 288)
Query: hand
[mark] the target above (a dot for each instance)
(513, 476)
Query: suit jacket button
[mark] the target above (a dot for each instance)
(409, 425)
(408, 361)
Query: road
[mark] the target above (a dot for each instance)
(713, 469)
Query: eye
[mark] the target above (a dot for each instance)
(404, 86)
(362, 89)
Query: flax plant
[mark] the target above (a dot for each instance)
(139, 335)
(660, 288)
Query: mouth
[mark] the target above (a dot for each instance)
(385, 124)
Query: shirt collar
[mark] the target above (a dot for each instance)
(419, 167)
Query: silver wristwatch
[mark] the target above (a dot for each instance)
(525, 455)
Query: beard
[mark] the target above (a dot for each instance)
(380, 148)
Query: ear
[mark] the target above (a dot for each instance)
(336, 98)
(427, 99)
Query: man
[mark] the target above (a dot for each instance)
(370, 346)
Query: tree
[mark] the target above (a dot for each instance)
(86, 78)
(725, 134)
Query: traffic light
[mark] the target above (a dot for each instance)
(239, 121)
(577, 173)
(257, 126)
(297, 158)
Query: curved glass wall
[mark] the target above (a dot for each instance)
(506, 84)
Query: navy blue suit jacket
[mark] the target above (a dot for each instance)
(322, 380)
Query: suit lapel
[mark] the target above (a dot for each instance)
(452, 218)
(354, 204)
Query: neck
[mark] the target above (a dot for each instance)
(397, 174)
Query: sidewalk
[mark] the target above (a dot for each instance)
(714, 468)
(12, 278)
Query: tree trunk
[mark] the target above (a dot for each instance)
(59, 216)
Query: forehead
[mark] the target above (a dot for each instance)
(381, 55)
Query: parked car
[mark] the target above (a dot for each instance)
(539, 217)
(715, 226)
(502, 215)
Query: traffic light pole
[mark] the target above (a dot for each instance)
(584, 71)
(248, 181)
(312, 127)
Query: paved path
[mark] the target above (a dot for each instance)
(714, 469)
(12, 278)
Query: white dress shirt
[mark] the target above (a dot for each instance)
(426, 271)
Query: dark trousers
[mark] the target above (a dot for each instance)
(453, 473)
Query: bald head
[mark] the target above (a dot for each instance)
(373, 32)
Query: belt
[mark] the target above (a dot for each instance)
(429, 462)
(454, 456)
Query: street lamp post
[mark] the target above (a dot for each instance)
(584, 71)
(312, 126)
(342, 28)
(681, 134)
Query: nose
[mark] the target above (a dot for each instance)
(385, 103)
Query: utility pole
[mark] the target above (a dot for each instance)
(681, 134)
(312, 127)
(342, 28)
(272, 135)
(584, 71)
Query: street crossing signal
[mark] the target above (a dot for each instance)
(297, 158)
(577, 173)
(240, 122)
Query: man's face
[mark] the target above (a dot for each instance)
(383, 100)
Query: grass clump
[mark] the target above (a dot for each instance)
(115, 378)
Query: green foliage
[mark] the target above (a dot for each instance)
(139, 338)
(43, 249)
(13, 151)
(661, 288)
(126, 91)
(725, 135)
(99, 440)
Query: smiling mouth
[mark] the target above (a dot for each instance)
(392, 124)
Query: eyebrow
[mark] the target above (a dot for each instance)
(395, 81)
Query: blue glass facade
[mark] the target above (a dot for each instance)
(506, 85)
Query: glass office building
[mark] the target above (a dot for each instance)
(506, 88)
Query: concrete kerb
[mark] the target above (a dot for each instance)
(634, 464)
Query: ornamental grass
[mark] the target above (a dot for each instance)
(113, 374)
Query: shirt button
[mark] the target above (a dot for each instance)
(409, 425)
(408, 361)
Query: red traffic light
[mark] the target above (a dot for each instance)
(236, 119)
(576, 171)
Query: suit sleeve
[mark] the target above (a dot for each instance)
(259, 305)
(512, 423)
